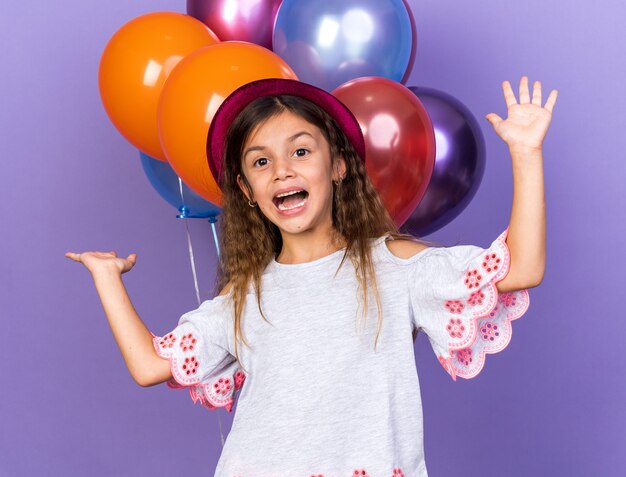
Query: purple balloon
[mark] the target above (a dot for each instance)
(330, 42)
(242, 20)
(459, 162)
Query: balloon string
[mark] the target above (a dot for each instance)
(213, 220)
(193, 265)
(195, 276)
(190, 246)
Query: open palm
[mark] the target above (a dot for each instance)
(527, 123)
(95, 261)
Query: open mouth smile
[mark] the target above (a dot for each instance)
(291, 200)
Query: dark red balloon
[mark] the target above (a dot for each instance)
(239, 20)
(399, 140)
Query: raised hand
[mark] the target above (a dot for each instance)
(99, 261)
(527, 123)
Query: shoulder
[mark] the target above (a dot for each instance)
(226, 289)
(402, 248)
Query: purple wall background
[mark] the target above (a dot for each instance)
(552, 403)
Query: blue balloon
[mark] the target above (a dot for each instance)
(166, 183)
(329, 42)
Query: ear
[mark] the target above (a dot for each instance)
(339, 168)
(244, 188)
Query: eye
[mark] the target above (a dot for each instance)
(260, 162)
(301, 152)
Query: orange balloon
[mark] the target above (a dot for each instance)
(134, 66)
(193, 93)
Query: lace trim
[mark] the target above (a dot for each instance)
(481, 324)
(397, 472)
(184, 365)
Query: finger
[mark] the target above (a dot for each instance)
(132, 257)
(509, 96)
(524, 95)
(73, 256)
(537, 93)
(493, 118)
(551, 100)
(112, 252)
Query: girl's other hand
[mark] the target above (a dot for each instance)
(527, 123)
(103, 261)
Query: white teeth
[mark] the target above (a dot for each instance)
(285, 194)
(299, 204)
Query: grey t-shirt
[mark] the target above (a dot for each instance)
(314, 398)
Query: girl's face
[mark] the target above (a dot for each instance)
(287, 162)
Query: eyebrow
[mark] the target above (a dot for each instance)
(289, 139)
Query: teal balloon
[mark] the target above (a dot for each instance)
(165, 181)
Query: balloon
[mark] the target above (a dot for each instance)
(459, 165)
(409, 69)
(348, 39)
(134, 65)
(399, 140)
(237, 19)
(191, 96)
(166, 183)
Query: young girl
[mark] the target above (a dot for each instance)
(322, 297)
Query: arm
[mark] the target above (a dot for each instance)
(527, 228)
(133, 338)
(524, 131)
(131, 334)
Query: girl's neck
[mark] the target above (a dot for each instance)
(306, 247)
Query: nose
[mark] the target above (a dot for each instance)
(282, 169)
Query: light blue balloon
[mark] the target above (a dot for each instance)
(166, 183)
(329, 42)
